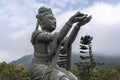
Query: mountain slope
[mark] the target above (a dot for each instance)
(24, 61)
(108, 61)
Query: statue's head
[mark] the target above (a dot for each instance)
(46, 19)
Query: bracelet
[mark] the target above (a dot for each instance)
(77, 27)
(69, 24)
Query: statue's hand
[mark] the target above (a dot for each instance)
(77, 17)
(84, 21)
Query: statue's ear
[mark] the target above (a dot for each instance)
(41, 22)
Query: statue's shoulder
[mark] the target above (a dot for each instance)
(34, 35)
(36, 32)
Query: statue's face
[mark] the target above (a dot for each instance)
(49, 22)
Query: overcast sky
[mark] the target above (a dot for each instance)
(17, 21)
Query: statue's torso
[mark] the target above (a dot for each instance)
(42, 48)
(41, 53)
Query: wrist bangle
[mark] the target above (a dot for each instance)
(77, 27)
(69, 24)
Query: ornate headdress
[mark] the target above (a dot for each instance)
(44, 10)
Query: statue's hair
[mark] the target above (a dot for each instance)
(42, 11)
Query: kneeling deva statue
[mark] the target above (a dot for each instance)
(47, 45)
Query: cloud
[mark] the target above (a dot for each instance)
(79, 1)
(61, 3)
(104, 27)
(16, 25)
(17, 21)
(65, 3)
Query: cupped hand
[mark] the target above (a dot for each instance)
(77, 17)
(84, 21)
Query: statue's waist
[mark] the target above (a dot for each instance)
(41, 55)
(40, 61)
(41, 58)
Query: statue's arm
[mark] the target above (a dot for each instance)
(63, 32)
(76, 29)
(65, 29)
(73, 34)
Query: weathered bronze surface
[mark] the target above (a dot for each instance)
(47, 45)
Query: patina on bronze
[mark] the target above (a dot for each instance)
(47, 45)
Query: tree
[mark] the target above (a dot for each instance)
(65, 55)
(12, 72)
(86, 45)
(87, 63)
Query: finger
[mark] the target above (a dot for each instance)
(80, 18)
(88, 19)
(83, 22)
(79, 14)
(82, 14)
(90, 16)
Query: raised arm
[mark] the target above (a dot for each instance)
(76, 29)
(63, 32)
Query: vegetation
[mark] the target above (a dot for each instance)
(87, 63)
(87, 68)
(100, 74)
(12, 72)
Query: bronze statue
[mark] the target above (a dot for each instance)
(47, 45)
